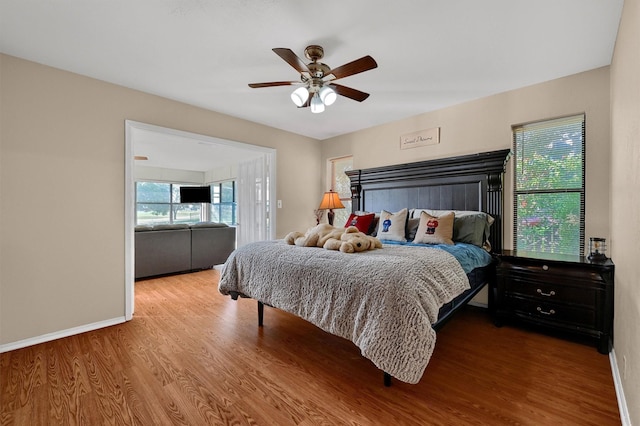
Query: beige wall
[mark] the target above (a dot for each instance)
(1, 184)
(625, 201)
(62, 234)
(485, 125)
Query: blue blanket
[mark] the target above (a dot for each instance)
(468, 255)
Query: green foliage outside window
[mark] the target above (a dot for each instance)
(549, 186)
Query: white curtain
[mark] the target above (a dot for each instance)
(254, 193)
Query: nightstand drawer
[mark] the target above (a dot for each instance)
(550, 271)
(572, 295)
(555, 312)
(551, 292)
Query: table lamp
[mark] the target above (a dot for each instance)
(330, 201)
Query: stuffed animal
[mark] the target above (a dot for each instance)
(347, 240)
(353, 242)
(314, 237)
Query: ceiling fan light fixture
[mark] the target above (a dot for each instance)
(316, 104)
(300, 96)
(327, 95)
(317, 78)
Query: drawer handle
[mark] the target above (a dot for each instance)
(545, 268)
(551, 293)
(550, 312)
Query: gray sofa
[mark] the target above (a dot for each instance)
(170, 249)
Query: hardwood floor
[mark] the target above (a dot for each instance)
(191, 356)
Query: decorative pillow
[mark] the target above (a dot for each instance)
(373, 228)
(471, 227)
(362, 222)
(391, 226)
(435, 229)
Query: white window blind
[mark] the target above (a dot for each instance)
(254, 200)
(341, 184)
(549, 185)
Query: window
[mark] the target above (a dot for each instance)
(223, 203)
(549, 185)
(159, 203)
(341, 184)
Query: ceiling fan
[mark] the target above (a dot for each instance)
(316, 78)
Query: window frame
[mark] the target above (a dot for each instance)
(220, 204)
(206, 209)
(173, 187)
(549, 124)
(333, 184)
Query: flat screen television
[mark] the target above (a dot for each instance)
(195, 194)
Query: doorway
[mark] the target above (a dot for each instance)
(169, 149)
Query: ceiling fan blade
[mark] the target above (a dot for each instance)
(365, 63)
(354, 94)
(292, 59)
(273, 83)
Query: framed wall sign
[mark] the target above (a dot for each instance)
(420, 138)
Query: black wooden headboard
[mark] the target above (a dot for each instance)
(468, 182)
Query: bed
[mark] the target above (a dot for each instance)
(391, 316)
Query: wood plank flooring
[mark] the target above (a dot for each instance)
(191, 356)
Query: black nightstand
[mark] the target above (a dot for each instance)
(570, 294)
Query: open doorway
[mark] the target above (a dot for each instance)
(168, 152)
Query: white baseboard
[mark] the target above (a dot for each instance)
(60, 334)
(617, 382)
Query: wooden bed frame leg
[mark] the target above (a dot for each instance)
(260, 313)
(387, 379)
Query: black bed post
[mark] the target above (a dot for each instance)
(387, 379)
(356, 188)
(260, 313)
(494, 208)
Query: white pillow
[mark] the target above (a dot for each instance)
(391, 226)
(471, 227)
(435, 229)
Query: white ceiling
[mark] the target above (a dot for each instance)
(430, 53)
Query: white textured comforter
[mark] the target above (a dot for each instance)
(382, 300)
